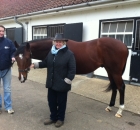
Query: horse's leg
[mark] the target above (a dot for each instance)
(122, 96)
(112, 101)
(19, 76)
(112, 87)
(121, 87)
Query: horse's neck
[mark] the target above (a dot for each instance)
(40, 50)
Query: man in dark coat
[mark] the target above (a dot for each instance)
(61, 69)
(7, 50)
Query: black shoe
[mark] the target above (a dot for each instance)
(59, 123)
(48, 122)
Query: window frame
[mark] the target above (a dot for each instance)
(124, 33)
(39, 34)
(47, 28)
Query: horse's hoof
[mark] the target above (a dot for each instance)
(108, 109)
(118, 115)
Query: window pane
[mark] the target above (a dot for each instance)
(35, 30)
(105, 27)
(129, 26)
(119, 37)
(113, 36)
(121, 26)
(34, 37)
(128, 39)
(45, 31)
(113, 27)
(104, 36)
(38, 37)
(41, 30)
(62, 29)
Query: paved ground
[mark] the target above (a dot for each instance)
(92, 88)
(30, 105)
(85, 108)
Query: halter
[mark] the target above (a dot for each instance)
(27, 69)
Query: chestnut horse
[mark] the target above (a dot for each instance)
(103, 52)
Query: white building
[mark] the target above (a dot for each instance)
(85, 19)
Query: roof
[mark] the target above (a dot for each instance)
(18, 7)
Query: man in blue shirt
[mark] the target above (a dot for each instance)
(7, 50)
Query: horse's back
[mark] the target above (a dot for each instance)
(112, 47)
(112, 43)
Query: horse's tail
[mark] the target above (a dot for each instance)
(109, 88)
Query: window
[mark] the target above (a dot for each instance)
(121, 30)
(40, 32)
(10, 33)
(52, 30)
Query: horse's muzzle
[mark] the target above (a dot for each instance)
(22, 80)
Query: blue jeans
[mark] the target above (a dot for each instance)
(6, 80)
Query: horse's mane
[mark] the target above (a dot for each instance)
(36, 40)
(22, 46)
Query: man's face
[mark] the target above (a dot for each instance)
(1, 32)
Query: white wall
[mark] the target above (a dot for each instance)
(90, 18)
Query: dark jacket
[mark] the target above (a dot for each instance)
(7, 50)
(59, 67)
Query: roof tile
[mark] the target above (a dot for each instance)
(18, 7)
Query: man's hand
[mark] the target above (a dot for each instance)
(13, 59)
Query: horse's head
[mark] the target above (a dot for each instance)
(23, 58)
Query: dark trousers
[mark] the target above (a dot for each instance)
(57, 102)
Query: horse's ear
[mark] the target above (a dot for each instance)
(16, 44)
(27, 46)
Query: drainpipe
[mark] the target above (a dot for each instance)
(15, 18)
(27, 30)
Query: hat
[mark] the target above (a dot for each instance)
(59, 37)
